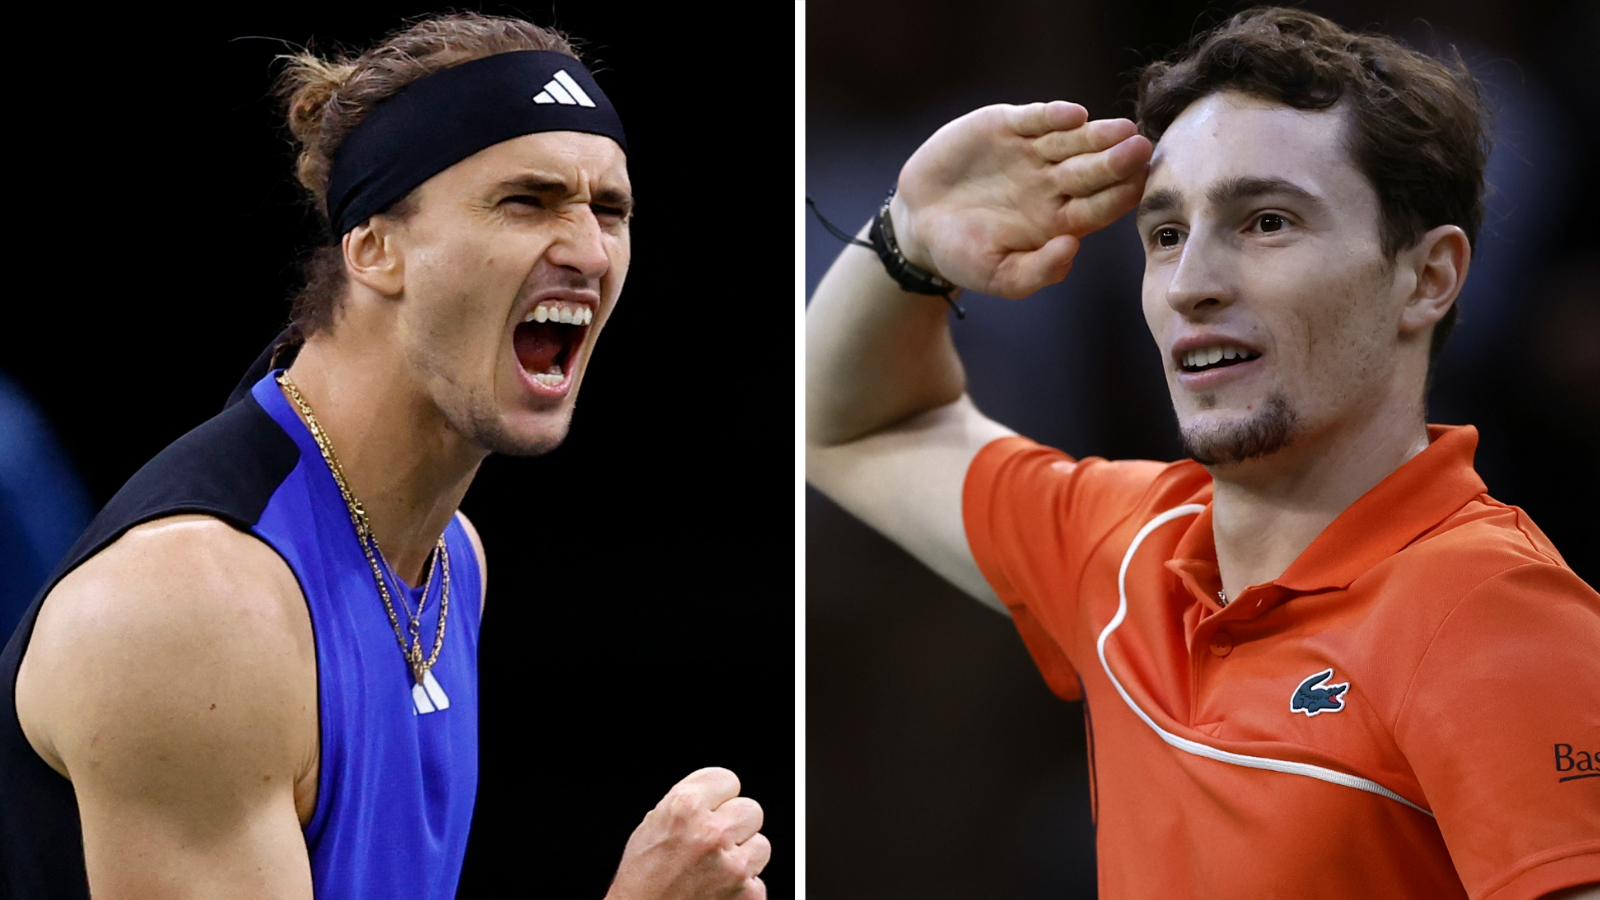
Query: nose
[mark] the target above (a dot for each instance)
(1202, 283)
(581, 245)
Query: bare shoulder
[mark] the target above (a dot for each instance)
(183, 623)
(172, 678)
(483, 560)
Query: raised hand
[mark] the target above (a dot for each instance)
(701, 842)
(996, 200)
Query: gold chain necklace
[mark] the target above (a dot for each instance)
(369, 545)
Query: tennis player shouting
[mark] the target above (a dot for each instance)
(256, 674)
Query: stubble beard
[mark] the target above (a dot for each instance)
(477, 417)
(1271, 429)
(483, 426)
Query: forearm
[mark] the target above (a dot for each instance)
(875, 355)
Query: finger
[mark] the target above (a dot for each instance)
(754, 889)
(1020, 274)
(1035, 119)
(758, 852)
(740, 818)
(1091, 173)
(1085, 214)
(1091, 137)
(705, 788)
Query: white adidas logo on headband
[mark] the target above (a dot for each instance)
(563, 90)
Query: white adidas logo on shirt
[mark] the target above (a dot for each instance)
(563, 90)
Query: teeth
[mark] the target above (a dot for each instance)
(552, 376)
(561, 313)
(1210, 356)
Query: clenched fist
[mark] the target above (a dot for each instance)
(996, 200)
(701, 842)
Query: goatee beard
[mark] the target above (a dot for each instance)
(1268, 431)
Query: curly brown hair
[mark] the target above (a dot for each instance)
(1416, 124)
(326, 99)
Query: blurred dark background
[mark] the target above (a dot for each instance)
(640, 611)
(938, 765)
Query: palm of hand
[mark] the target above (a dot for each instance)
(997, 200)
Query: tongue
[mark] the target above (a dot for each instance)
(538, 345)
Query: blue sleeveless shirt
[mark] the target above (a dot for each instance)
(396, 789)
(398, 769)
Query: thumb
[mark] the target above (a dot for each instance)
(1023, 273)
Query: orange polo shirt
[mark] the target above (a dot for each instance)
(1411, 710)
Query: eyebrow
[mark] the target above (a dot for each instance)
(1235, 189)
(535, 184)
(1159, 202)
(1229, 192)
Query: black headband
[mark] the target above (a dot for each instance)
(437, 121)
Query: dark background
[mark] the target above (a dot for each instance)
(640, 617)
(939, 766)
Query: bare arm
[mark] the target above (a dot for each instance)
(995, 201)
(172, 679)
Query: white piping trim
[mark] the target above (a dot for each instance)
(1194, 747)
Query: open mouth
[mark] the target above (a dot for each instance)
(549, 337)
(1204, 359)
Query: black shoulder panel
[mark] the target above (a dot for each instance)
(229, 468)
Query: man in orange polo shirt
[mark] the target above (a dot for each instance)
(1321, 661)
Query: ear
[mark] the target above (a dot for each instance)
(372, 256)
(1438, 263)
